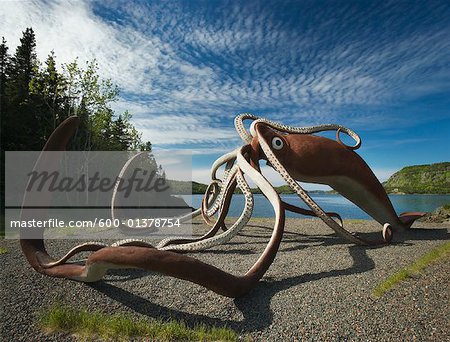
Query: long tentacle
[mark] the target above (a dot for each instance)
(206, 212)
(125, 167)
(224, 184)
(148, 258)
(84, 247)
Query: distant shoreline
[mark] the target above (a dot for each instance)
(328, 192)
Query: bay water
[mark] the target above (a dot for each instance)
(331, 202)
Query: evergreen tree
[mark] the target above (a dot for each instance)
(23, 67)
(20, 119)
(35, 100)
(120, 135)
(49, 88)
(41, 94)
(147, 146)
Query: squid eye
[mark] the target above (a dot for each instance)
(277, 143)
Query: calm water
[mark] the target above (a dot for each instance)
(336, 203)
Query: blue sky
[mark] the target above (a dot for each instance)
(185, 69)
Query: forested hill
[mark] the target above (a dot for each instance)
(420, 179)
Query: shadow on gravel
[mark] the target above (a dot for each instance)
(145, 307)
(257, 311)
(255, 306)
(422, 234)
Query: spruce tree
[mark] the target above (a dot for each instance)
(47, 92)
(21, 122)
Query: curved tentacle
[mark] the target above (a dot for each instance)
(84, 247)
(224, 159)
(93, 247)
(247, 137)
(210, 210)
(209, 207)
(206, 212)
(387, 231)
(167, 262)
(226, 191)
(194, 242)
(232, 231)
(34, 249)
(306, 212)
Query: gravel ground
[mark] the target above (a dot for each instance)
(318, 288)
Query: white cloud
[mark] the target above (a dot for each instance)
(179, 129)
(184, 77)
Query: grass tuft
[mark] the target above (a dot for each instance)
(3, 250)
(412, 270)
(94, 325)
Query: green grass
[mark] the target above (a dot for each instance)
(413, 269)
(93, 325)
(3, 250)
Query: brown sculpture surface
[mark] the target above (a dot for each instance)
(294, 152)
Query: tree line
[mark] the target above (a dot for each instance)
(36, 98)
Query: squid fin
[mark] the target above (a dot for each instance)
(408, 218)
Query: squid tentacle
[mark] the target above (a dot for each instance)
(213, 204)
(177, 241)
(226, 190)
(232, 231)
(165, 262)
(306, 212)
(84, 247)
(182, 218)
(207, 210)
(93, 246)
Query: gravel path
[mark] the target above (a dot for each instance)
(318, 288)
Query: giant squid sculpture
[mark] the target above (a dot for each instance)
(294, 152)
